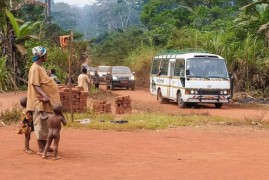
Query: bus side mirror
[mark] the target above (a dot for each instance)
(187, 72)
(231, 76)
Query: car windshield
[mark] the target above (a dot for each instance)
(121, 70)
(207, 68)
(103, 68)
(91, 68)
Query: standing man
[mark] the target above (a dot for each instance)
(84, 80)
(96, 80)
(42, 95)
(85, 61)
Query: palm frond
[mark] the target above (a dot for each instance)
(264, 27)
(253, 4)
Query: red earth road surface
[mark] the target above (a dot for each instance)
(207, 152)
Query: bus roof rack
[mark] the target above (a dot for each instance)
(182, 51)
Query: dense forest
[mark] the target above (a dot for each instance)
(131, 32)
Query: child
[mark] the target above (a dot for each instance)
(54, 77)
(26, 125)
(54, 125)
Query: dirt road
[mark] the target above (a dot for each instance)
(209, 152)
(144, 101)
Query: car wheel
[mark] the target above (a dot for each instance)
(127, 88)
(133, 88)
(180, 102)
(111, 87)
(218, 105)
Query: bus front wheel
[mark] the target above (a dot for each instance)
(180, 102)
(218, 105)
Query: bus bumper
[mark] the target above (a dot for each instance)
(209, 99)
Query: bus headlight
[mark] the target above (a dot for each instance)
(224, 92)
(191, 91)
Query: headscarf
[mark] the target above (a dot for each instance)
(38, 52)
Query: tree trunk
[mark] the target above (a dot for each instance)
(48, 10)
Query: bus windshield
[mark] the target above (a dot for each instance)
(207, 68)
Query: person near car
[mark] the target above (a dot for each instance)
(96, 80)
(54, 77)
(85, 61)
(84, 80)
(68, 79)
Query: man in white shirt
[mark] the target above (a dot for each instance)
(84, 80)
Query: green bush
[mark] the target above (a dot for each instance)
(140, 62)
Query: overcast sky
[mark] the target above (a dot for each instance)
(76, 2)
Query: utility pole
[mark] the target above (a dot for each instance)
(48, 10)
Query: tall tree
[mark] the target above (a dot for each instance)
(64, 15)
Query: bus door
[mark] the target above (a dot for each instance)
(179, 76)
(155, 68)
(172, 82)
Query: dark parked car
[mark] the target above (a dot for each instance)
(120, 76)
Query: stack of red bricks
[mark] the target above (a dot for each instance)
(101, 107)
(123, 104)
(79, 99)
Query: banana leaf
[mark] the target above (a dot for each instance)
(13, 23)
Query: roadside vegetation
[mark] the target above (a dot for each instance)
(142, 120)
(128, 32)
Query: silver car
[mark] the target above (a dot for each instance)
(91, 70)
(102, 72)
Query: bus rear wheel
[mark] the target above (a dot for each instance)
(218, 105)
(161, 99)
(180, 102)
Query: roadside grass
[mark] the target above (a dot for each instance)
(148, 121)
(251, 105)
(143, 120)
(11, 116)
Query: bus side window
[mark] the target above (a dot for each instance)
(179, 67)
(165, 64)
(155, 66)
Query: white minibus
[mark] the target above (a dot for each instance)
(189, 78)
